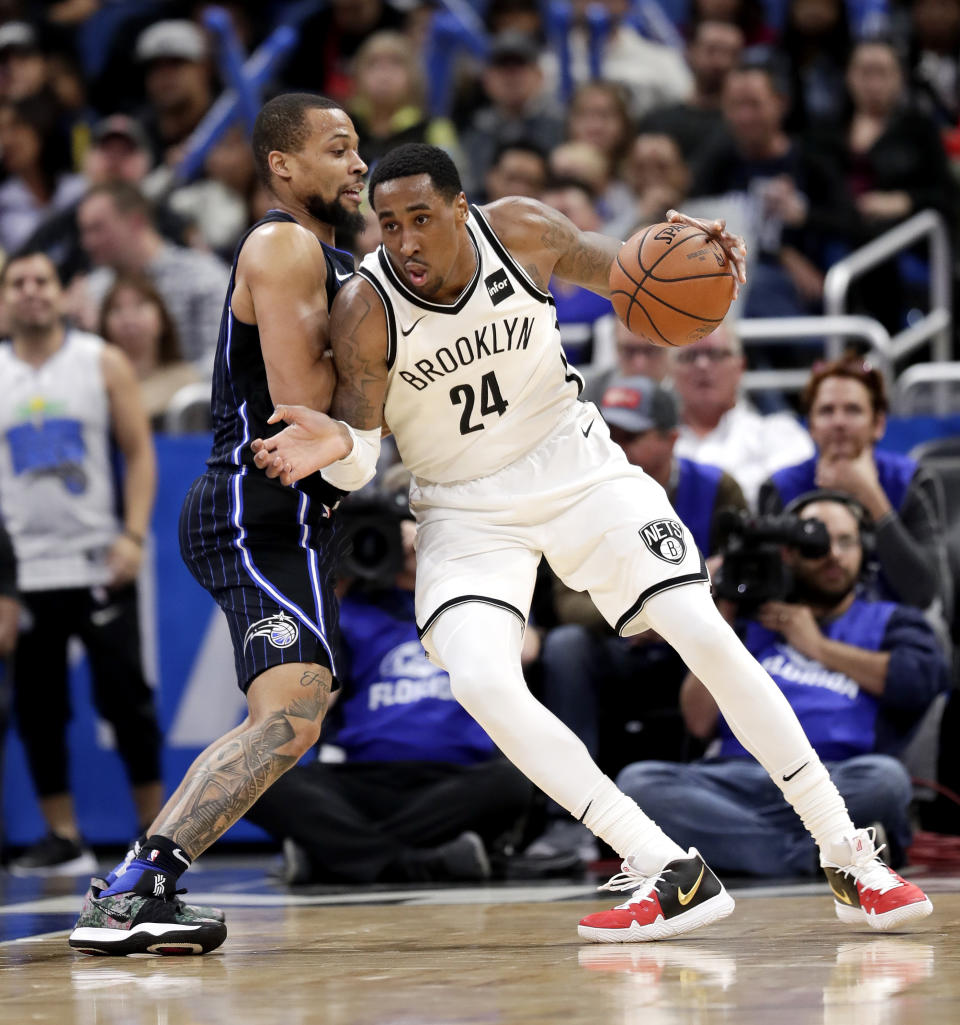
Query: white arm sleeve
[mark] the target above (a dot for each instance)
(359, 465)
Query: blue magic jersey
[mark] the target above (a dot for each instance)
(240, 402)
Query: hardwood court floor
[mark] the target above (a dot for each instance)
(495, 955)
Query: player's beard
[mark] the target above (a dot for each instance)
(335, 213)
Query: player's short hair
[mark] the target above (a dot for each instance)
(853, 367)
(26, 253)
(281, 125)
(417, 158)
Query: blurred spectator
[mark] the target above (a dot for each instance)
(582, 162)
(518, 109)
(846, 405)
(586, 319)
(749, 16)
(23, 67)
(635, 357)
(599, 114)
(586, 668)
(417, 792)
(815, 45)
(653, 73)
(934, 46)
(178, 80)
(118, 234)
(892, 161)
(215, 208)
(858, 673)
(35, 159)
(329, 40)
(713, 52)
(518, 169)
(658, 178)
(720, 426)
(134, 318)
(119, 152)
(67, 399)
(796, 203)
(388, 100)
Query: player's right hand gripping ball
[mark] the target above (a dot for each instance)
(671, 284)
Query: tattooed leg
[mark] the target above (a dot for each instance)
(287, 705)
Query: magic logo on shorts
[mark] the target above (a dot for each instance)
(665, 539)
(280, 630)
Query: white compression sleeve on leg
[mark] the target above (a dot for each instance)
(480, 646)
(359, 465)
(753, 705)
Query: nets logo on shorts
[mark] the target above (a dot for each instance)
(280, 630)
(665, 539)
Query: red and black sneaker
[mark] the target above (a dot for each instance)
(683, 896)
(865, 889)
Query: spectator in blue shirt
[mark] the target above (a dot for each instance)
(858, 673)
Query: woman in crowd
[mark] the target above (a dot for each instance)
(134, 318)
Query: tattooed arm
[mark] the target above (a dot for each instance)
(547, 244)
(314, 441)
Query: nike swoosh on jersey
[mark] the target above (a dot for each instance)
(100, 617)
(411, 327)
(341, 277)
(589, 428)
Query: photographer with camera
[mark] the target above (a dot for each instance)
(858, 673)
(846, 404)
(417, 792)
(626, 688)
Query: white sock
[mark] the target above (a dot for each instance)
(754, 707)
(479, 645)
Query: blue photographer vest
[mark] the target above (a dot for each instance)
(397, 705)
(895, 472)
(695, 498)
(839, 718)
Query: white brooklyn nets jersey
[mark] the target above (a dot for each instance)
(476, 384)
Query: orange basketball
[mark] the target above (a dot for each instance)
(671, 284)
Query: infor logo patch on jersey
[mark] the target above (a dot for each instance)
(665, 539)
(498, 286)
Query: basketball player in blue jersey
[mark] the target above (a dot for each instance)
(265, 552)
(449, 331)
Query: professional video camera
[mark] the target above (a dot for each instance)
(371, 526)
(753, 571)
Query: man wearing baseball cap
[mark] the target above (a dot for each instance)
(177, 79)
(583, 660)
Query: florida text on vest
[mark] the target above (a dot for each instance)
(509, 335)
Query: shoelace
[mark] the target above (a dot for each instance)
(872, 874)
(630, 879)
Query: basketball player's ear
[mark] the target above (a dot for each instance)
(278, 164)
(463, 207)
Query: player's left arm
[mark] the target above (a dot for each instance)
(131, 428)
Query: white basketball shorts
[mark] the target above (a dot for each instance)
(604, 526)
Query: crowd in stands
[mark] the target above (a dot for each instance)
(811, 133)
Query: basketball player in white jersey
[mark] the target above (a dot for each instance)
(449, 334)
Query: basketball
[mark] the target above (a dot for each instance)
(671, 284)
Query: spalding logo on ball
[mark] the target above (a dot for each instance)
(671, 284)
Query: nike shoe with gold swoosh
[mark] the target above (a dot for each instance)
(683, 896)
(865, 889)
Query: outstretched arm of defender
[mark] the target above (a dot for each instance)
(346, 443)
